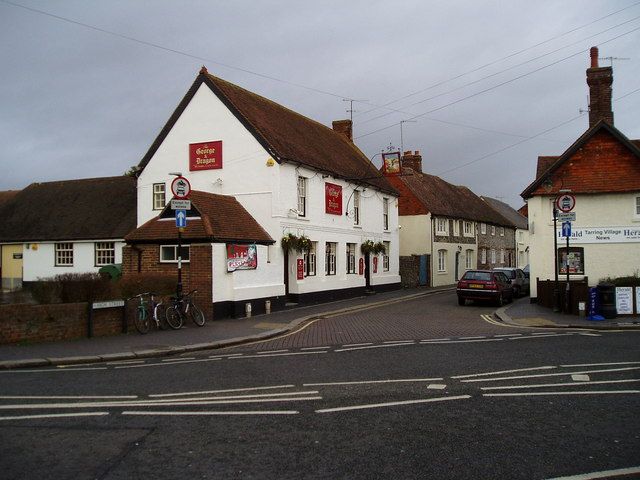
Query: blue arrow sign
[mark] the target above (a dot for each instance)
(181, 218)
(566, 229)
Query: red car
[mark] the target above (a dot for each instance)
(484, 285)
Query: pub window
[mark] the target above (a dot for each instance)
(385, 256)
(302, 196)
(576, 261)
(356, 207)
(310, 261)
(385, 213)
(330, 258)
(169, 253)
(159, 199)
(64, 254)
(105, 253)
(351, 258)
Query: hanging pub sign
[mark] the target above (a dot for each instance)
(205, 156)
(333, 199)
(391, 163)
(241, 257)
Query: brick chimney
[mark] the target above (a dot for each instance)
(412, 161)
(343, 127)
(599, 80)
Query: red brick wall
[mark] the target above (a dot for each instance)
(49, 323)
(602, 165)
(408, 203)
(197, 274)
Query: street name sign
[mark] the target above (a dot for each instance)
(181, 218)
(180, 204)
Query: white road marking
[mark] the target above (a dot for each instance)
(535, 394)
(504, 371)
(603, 474)
(399, 341)
(366, 382)
(590, 334)
(277, 355)
(165, 364)
(509, 335)
(48, 370)
(542, 333)
(67, 397)
(392, 404)
(374, 346)
(272, 351)
(124, 362)
(435, 340)
(550, 374)
(315, 348)
(225, 356)
(436, 386)
(56, 415)
(463, 341)
(200, 413)
(177, 359)
(471, 338)
(209, 392)
(573, 384)
(600, 364)
(544, 336)
(356, 344)
(580, 378)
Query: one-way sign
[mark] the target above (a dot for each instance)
(566, 229)
(181, 218)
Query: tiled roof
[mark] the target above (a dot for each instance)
(602, 160)
(221, 219)
(544, 163)
(7, 195)
(87, 209)
(442, 198)
(285, 134)
(515, 218)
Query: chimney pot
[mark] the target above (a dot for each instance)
(599, 80)
(594, 57)
(412, 161)
(343, 127)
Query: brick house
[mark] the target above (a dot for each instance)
(71, 226)
(293, 176)
(439, 238)
(601, 169)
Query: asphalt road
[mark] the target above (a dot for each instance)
(418, 389)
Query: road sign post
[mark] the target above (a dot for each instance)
(181, 188)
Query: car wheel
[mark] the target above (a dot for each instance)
(461, 301)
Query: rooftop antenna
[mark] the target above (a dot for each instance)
(350, 110)
(585, 110)
(401, 136)
(611, 59)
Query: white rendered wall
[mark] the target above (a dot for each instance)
(602, 259)
(415, 235)
(448, 277)
(40, 263)
(269, 193)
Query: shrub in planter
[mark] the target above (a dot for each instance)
(131, 285)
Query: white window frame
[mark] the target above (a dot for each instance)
(442, 261)
(385, 213)
(63, 254)
(302, 195)
(356, 207)
(442, 226)
(456, 228)
(483, 228)
(385, 256)
(468, 229)
(502, 231)
(637, 211)
(174, 249)
(493, 256)
(351, 257)
(493, 230)
(330, 258)
(469, 259)
(502, 255)
(159, 196)
(309, 260)
(483, 255)
(104, 253)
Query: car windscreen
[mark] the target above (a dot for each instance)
(484, 276)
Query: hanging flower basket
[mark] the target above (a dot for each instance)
(367, 247)
(291, 242)
(304, 244)
(379, 247)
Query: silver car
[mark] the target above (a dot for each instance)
(519, 281)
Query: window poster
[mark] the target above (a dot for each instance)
(576, 261)
(241, 257)
(624, 300)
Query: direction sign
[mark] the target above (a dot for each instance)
(566, 229)
(180, 204)
(181, 218)
(566, 202)
(180, 187)
(567, 217)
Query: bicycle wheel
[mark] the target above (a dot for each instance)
(142, 320)
(174, 317)
(160, 315)
(196, 315)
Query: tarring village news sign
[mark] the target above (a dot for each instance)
(604, 234)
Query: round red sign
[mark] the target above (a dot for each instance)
(566, 202)
(180, 187)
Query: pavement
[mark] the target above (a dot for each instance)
(231, 332)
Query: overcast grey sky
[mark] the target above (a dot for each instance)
(87, 85)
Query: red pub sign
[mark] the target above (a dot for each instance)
(333, 199)
(205, 156)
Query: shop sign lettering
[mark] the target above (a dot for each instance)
(205, 156)
(333, 198)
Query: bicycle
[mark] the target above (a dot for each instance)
(182, 308)
(142, 321)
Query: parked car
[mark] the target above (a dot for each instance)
(484, 285)
(519, 280)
